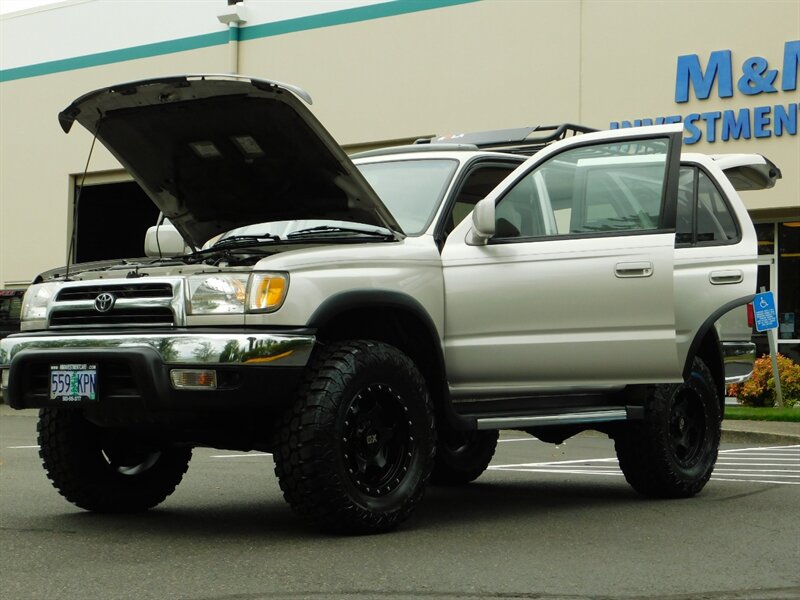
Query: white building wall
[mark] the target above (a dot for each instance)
(377, 70)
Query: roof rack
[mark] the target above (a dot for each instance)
(415, 148)
(515, 141)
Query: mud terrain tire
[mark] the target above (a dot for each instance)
(672, 452)
(106, 471)
(356, 449)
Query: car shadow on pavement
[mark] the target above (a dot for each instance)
(489, 502)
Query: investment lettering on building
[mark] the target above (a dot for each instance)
(723, 78)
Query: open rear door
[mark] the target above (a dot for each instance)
(748, 172)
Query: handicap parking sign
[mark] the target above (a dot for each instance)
(765, 312)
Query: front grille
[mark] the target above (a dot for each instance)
(139, 303)
(132, 291)
(150, 316)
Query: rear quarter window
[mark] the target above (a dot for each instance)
(704, 216)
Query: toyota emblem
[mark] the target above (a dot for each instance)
(104, 302)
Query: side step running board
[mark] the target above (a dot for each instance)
(614, 413)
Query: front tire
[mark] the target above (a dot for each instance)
(356, 448)
(105, 470)
(672, 452)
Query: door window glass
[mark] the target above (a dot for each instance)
(714, 219)
(703, 216)
(590, 190)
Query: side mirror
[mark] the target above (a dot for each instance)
(164, 240)
(483, 225)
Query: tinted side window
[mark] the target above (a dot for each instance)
(714, 219)
(596, 189)
(684, 223)
(703, 215)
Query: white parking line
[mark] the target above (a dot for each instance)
(22, 447)
(733, 465)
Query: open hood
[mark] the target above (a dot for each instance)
(748, 171)
(215, 152)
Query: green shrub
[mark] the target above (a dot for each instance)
(759, 390)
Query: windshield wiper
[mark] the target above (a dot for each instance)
(245, 240)
(338, 231)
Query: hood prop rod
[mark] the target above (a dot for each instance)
(74, 233)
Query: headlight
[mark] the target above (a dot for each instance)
(267, 291)
(234, 293)
(217, 294)
(34, 303)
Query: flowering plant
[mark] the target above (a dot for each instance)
(759, 390)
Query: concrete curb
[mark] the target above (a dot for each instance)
(761, 432)
(755, 437)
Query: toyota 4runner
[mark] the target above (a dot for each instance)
(373, 323)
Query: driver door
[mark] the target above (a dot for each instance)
(574, 291)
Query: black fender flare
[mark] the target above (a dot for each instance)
(377, 298)
(708, 326)
(374, 298)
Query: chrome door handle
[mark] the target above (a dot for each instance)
(726, 277)
(633, 269)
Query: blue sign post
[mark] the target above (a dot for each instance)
(766, 316)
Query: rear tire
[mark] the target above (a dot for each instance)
(105, 470)
(356, 448)
(462, 456)
(672, 452)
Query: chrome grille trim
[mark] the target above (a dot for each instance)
(157, 302)
(128, 290)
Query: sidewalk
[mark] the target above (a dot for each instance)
(736, 432)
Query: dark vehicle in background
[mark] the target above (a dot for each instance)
(10, 306)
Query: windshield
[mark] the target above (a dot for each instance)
(276, 231)
(410, 189)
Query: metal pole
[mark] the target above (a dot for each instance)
(773, 352)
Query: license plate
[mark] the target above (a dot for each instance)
(73, 382)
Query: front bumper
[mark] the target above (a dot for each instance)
(254, 368)
(739, 359)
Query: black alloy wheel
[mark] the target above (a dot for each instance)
(671, 453)
(687, 427)
(355, 450)
(377, 441)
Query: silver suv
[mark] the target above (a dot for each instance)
(374, 323)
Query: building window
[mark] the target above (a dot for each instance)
(789, 281)
(765, 232)
(779, 270)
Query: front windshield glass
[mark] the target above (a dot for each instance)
(410, 189)
(275, 231)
